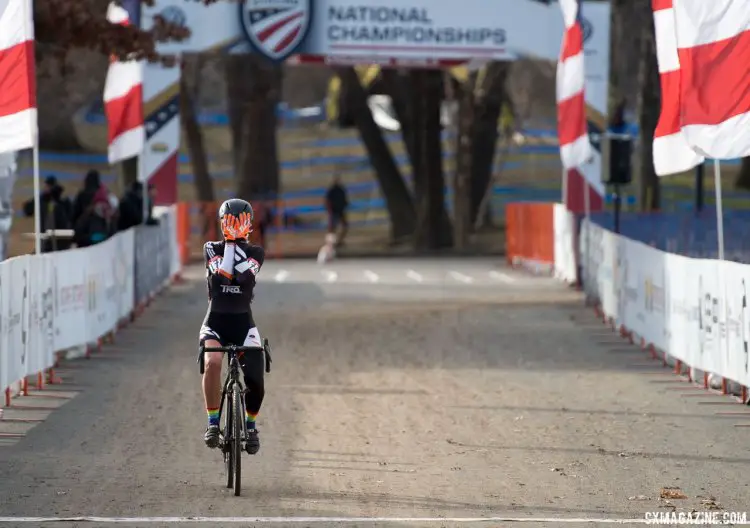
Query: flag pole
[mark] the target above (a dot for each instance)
(719, 208)
(144, 187)
(37, 201)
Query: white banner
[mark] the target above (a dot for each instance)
(40, 342)
(70, 274)
(122, 262)
(67, 299)
(13, 284)
(696, 310)
(682, 298)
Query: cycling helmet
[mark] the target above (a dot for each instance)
(235, 207)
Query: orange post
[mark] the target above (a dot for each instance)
(183, 231)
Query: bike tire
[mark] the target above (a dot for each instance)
(237, 439)
(227, 445)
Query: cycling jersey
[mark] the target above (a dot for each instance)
(231, 280)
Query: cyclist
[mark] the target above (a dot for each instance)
(231, 267)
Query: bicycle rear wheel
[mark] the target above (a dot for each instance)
(236, 445)
(227, 444)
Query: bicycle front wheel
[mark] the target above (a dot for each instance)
(227, 443)
(236, 446)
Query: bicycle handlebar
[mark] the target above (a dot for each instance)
(266, 349)
(234, 348)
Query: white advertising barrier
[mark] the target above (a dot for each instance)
(65, 300)
(40, 343)
(564, 226)
(13, 274)
(71, 297)
(168, 214)
(695, 310)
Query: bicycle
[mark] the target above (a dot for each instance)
(233, 434)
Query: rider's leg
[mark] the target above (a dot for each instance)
(212, 391)
(253, 367)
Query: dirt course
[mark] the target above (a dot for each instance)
(459, 401)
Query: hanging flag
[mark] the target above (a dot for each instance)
(671, 151)
(582, 173)
(18, 116)
(713, 45)
(575, 147)
(123, 95)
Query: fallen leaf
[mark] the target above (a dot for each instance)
(672, 493)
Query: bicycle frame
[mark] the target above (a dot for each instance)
(233, 378)
(232, 447)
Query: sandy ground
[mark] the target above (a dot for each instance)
(442, 398)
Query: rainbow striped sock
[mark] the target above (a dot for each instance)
(250, 419)
(213, 416)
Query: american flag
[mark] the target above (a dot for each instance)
(123, 93)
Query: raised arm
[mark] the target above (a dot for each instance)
(248, 261)
(218, 266)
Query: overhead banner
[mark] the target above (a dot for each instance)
(407, 33)
(380, 30)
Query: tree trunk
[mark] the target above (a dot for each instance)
(489, 102)
(204, 185)
(397, 86)
(258, 171)
(238, 89)
(462, 183)
(397, 198)
(743, 177)
(433, 225)
(648, 116)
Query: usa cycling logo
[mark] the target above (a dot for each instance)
(276, 28)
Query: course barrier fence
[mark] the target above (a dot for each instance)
(64, 304)
(689, 311)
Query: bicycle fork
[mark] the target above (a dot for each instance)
(237, 391)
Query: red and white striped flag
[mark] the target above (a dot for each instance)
(123, 100)
(713, 43)
(671, 151)
(575, 147)
(18, 116)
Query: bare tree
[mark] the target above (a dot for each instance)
(649, 101)
(398, 200)
(204, 186)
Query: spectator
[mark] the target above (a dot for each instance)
(56, 213)
(93, 212)
(131, 206)
(336, 204)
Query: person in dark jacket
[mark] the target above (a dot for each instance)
(337, 203)
(56, 213)
(131, 207)
(92, 212)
